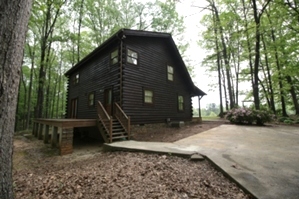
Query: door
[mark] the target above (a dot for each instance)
(108, 100)
(74, 108)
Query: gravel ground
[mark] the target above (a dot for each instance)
(90, 173)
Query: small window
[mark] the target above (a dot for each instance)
(180, 103)
(76, 79)
(132, 57)
(114, 57)
(170, 73)
(91, 99)
(148, 96)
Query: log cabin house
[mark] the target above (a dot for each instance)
(134, 77)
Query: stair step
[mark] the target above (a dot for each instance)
(119, 137)
(119, 133)
(117, 129)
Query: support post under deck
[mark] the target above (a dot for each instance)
(66, 141)
(46, 134)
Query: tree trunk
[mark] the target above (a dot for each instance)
(225, 57)
(265, 88)
(23, 118)
(32, 55)
(257, 57)
(13, 21)
(265, 92)
(293, 94)
(49, 77)
(248, 44)
(281, 87)
(224, 86)
(79, 30)
(221, 115)
(271, 93)
(257, 17)
(48, 28)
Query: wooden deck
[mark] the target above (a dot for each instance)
(61, 131)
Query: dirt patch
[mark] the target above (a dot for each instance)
(164, 133)
(90, 173)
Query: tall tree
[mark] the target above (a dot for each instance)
(13, 21)
(49, 13)
(224, 52)
(257, 19)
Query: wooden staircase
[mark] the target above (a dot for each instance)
(115, 128)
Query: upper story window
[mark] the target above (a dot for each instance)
(114, 57)
(148, 96)
(181, 103)
(132, 57)
(170, 73)
(76, 79)
(91, 99)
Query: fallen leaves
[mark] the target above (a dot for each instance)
(125, 175)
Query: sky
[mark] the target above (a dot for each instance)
(201, 78)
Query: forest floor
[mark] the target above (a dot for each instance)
(39, 172)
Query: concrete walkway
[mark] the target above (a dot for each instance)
(263, 160)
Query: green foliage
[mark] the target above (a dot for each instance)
(211, 110)
(249, 116)
(278, 50)
(212, 114)
(288, 121)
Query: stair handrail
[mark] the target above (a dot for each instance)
(123, 119)
(103, 115)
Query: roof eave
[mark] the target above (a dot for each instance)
(94, 52)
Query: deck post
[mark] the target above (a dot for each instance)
(33, 128)
(40, 131)
(54, 136)
(46, 134)
(129, 128)
(36, 129)
(66, 141)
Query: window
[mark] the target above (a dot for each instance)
(76, 79)
(114, 57)
(91, 99)
(148, 96)
(74, 108)
(170, 73)
(180, 103)
(132, 57)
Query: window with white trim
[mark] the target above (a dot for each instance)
(91, 99)
(148, 96)
(181, 103)
(132, 57)
(76, 79)
(114, 57)
(170, 73)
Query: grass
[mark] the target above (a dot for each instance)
(207, 118)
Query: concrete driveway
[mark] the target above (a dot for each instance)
(264, 160)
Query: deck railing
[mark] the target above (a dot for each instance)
(105, 119)
(123, 119)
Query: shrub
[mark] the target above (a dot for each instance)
(240, 116)
(248, 116)
(288, 121)
(263, 116)
(282, 119)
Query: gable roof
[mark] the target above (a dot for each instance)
(141, 33)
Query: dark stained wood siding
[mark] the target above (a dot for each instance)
(95, 75)
(154, 54)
